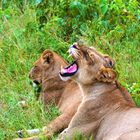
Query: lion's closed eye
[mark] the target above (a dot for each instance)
(36, 69)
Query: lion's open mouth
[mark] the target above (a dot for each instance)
(69, 70)
(72, 68)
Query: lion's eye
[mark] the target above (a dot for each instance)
(91, 55)
(36, 69)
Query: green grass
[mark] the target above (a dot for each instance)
(21, 43)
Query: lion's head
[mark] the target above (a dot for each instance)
(47, 66)
(88, 66)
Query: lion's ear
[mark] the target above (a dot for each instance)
(110, 61)
(47, 56)
(106, 75)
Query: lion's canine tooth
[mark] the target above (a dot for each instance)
(69, 55)
(62, 69)
(69, 50)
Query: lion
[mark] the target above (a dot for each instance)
(105, 113)
(65, 95)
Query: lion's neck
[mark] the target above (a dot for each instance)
(106, 93)
(96, 89)
(52, 89)
(52, 83)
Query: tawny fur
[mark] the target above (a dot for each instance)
(65, 95)
(106, 111)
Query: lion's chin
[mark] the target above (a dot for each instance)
(36, 85)
(64, 78)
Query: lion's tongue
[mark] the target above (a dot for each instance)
(71, 69)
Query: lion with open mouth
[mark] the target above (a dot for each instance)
(107, 111)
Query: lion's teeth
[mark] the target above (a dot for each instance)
(62, 69)
(69, 55)
(69, 50)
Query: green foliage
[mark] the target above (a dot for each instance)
(134, 89)
(29, 27)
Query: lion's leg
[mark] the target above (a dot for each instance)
(135, 135)
(56, 125)
(70, 133)
(59, 123)
(62, 121)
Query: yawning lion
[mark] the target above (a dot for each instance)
(107, 111)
